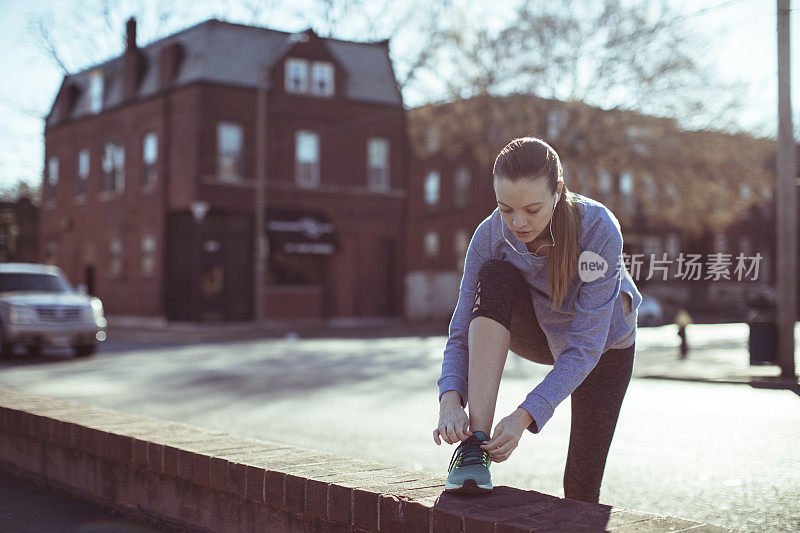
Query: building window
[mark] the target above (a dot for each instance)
(584, 182)
(306, 149)
(462, 179)
(83, 172)
(460, 243)
(230, 164)
(296, 75)
(115, 258)
(767, 203)
(673, 245)
(744, 191)
(148, 256)
(604, 181)
(113, 167)
(96, 91)
(378, 164)
(720, 244)
(649, 187)
(432, 188)
(432, 143)
(52, 178)
(626, 188)
(670, 196)
(651, 247)
(638, 137)
(149, 158)
(746, 246)
(431, 249)
(626, 183)
(322, 78)
(556, 121)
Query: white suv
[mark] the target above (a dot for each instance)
(39, 307)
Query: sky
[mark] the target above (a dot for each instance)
(742, 35)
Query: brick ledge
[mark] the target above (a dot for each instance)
(213, 481)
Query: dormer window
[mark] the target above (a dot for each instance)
(322, 78)
(296, 75)
(309, 77)
(96, 91)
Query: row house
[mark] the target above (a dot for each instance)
(150, 163)
(450, 178)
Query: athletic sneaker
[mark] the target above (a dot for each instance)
(469, 466)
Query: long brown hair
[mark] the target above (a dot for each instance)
(531, 158)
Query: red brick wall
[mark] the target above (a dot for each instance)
(197, 478)
(194, 111)
(97, 221)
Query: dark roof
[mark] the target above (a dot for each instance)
(231, 54)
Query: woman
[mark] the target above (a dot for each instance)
(543, 277)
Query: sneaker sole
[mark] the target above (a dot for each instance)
(469, 486)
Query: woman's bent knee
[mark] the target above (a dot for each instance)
(499, 285)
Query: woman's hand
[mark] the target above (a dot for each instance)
(506, 435)
(453, 422)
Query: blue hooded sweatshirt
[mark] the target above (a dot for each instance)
(595, 316)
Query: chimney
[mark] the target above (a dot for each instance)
(132, 62)
(68, 98)
(130, 28)
(169, 61)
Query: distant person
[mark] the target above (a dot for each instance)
(683, 319)
(546, 306)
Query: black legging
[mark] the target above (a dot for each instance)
(502, 294)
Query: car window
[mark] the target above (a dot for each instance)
(14, 281)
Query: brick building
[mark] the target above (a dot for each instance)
(451, 192)
(150, 161)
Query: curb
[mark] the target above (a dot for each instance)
(212, 481)
(758, 382)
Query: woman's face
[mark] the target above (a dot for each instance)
(526, 206)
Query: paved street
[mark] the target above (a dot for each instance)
(29, 507)
(720, 453)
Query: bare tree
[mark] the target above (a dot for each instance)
(93, 33)
(610, 54)
(614, 87)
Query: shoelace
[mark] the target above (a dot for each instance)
(469, 452)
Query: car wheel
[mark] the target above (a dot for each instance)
(85, 350)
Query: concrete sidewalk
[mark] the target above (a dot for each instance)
(718, 354)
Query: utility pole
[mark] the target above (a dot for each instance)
(786, 203)
(261, 253)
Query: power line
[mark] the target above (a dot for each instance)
(701, 11)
